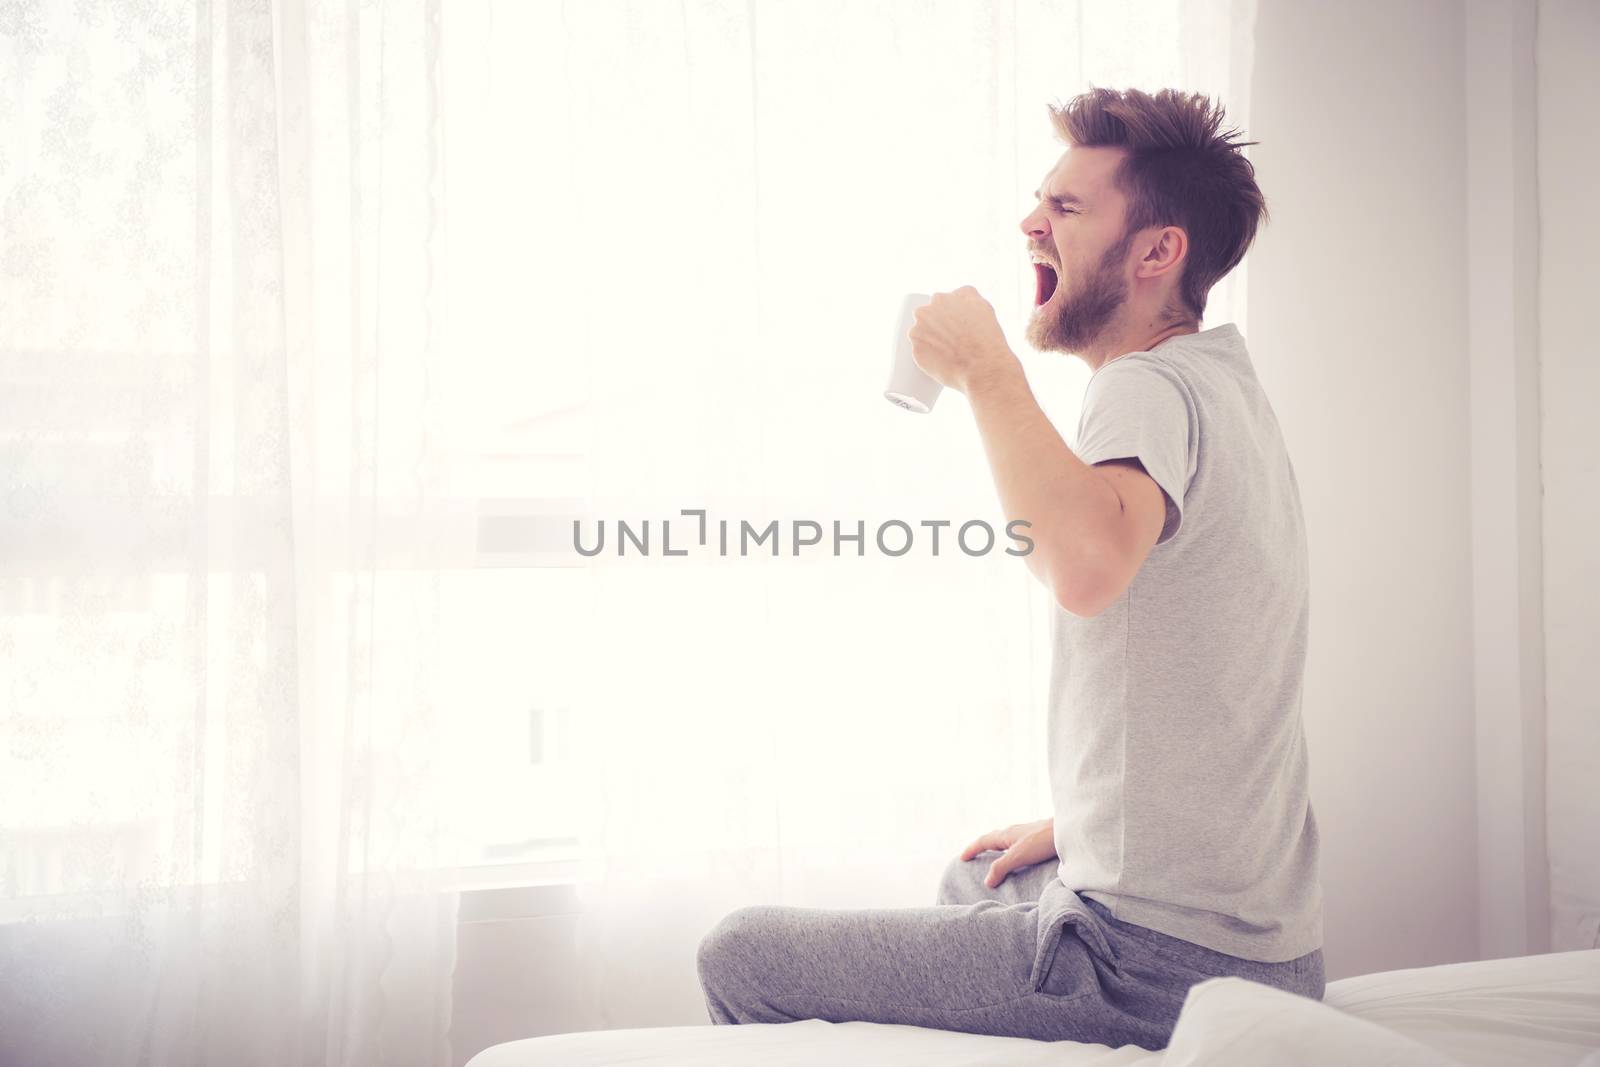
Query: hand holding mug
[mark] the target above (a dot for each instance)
(957, 341)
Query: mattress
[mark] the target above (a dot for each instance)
(1531, 1010)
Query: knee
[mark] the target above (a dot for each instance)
(730, 961)
(733, 939)
(962, 881)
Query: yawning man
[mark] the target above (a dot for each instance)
(1183, 845)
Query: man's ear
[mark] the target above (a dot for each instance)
(1167, 252)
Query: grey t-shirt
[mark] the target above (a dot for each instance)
(1177, 757)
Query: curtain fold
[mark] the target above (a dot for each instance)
(220, 834)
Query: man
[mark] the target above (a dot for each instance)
(1172, 540)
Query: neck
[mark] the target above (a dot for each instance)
(1136, 338)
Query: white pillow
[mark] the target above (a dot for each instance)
(1242, 1023)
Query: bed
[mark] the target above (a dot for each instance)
(1532, 1010)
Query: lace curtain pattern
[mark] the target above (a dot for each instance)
(218, 716)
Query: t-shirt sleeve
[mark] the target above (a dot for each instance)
(1139, 408)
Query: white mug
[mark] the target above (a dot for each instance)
(909, 387)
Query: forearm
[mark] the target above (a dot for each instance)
(1071, 509)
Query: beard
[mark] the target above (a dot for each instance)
(1071, 321)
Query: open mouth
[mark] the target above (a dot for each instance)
(1044, 283)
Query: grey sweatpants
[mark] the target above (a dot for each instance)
(1028, 958)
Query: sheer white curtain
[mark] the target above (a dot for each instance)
(323, 320)
(219, 604)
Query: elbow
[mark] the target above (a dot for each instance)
(1077, 604)
(1083, 582)
(1079, 573)
(1079, 594)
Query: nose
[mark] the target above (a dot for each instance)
(1036, 226)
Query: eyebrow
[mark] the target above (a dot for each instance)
(1063, 198)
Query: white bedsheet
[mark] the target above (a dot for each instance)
(1526, 1010)
(812, 1043)
(1532, 1010)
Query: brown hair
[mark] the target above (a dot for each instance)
(1178, 171)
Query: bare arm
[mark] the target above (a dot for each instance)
(1091, 525)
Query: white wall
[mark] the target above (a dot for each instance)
(1358, 327)
(1569, 161)
(1418, 312)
